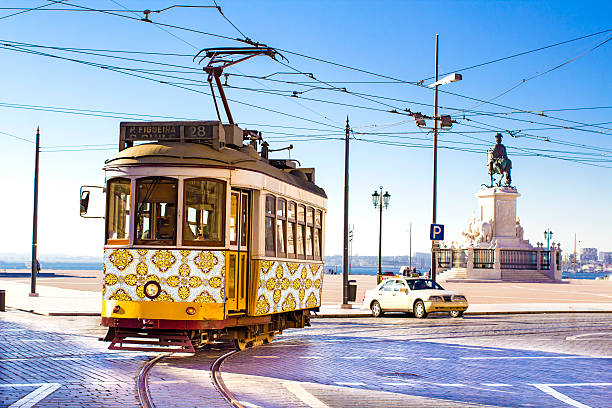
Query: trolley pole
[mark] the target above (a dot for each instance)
(35, 219)
(434, 244)
(345, 253)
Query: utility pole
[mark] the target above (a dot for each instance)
(574, 252)
(434, 244)
(345, 254)
(35, 220)
(410, 254)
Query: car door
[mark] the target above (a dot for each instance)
(385, 294)
(400, 297)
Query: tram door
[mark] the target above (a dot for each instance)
(238, 256)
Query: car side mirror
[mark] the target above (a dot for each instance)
(84, 201)
(404, 291)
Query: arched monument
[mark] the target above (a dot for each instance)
(493, 246)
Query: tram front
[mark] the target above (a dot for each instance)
(189, 239)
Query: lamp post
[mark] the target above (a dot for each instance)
(548, 235)
(380, 200)
(446, 80)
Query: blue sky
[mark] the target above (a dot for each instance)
(390, 38)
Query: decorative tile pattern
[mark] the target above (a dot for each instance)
(185, 276)
(286, 286)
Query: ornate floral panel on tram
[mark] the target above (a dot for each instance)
(184, 275)
(287, 286)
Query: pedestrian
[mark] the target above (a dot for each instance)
(37, 267)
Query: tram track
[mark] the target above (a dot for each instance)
(144, 393)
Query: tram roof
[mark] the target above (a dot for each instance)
(196, 154)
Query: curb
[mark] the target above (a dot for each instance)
(363, 315)
(54, 314)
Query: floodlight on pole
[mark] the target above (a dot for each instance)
(447, 80)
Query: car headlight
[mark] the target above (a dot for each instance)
(152, 289)
(435, 299)
(458, 298)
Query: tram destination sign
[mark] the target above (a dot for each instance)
(193, 131)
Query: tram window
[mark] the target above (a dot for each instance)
(291, 211)
(204, 213)
(291, 229)
(301, 230)
(309, 242)
(270, 200)
(244, 219)
(118, 212)
(300, 241)
(309, 216)
(269, 225)
(233, 219)
(317, 234)
(156, 199)
(270, 236)
(291, 239)
(317, 219)
(281, 217)
(317, 243)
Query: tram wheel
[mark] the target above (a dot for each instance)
(268, 339)
(240, 344)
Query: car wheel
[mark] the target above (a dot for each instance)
(455, 313)
(376, 309)
(419, 309)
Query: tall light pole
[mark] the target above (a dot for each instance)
(345, 253)
(548, 235)
(448, 79)
(380, 201)
(35, 220)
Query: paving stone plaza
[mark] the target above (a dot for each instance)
(507, 360)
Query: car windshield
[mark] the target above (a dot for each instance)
(422, 284)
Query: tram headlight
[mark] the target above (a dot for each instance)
(190, 310)
(152, 289)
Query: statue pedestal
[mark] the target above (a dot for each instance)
(494, 249)
(497, 207)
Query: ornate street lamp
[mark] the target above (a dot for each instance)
(380, 201)
(548, 235)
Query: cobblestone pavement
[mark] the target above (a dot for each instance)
(512, 360)
(52, 361)
(536, 360)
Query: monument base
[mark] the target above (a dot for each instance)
(493, 247)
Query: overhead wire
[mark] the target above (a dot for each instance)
(537, 75)
(27, 10)
(324, 82)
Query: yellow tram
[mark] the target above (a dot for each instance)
(206, 238)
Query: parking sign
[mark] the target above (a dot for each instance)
(436, 232)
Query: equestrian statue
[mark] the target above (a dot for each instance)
(499, 163)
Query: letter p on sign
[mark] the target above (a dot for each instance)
(436, 232)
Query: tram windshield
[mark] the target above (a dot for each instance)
(204, 212)
(156, 199)
(118, 213)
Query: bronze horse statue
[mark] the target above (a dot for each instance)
(501, 166)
